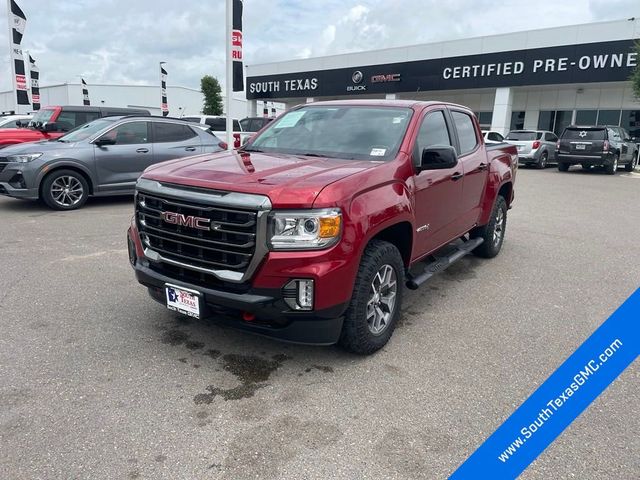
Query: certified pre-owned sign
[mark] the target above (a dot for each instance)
(566, 64)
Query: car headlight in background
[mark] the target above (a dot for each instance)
(23, 158)
(305, 229)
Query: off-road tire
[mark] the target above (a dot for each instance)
(490, 247)
(356, 336)
(46, 194)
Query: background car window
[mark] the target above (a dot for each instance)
(494, 136)
(130, 133)
(69, 119)
(433, 131)
(12, 124)
(245, 123)
(614, 134)
(216, 123)
(466, 132)
(584, 134)
(171, 132)
(550, 137)
(191, 119)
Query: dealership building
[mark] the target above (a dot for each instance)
(545, 79)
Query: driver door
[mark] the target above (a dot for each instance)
(119, 165)
(438, 193)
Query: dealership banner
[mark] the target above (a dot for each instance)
(236, 46)
(85, 93)
(560, 399)
(34, 74)
(17, 24)
(583, 63)
(164, 106)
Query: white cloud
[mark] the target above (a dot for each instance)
(122, 41)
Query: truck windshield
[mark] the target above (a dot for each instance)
(87, 130)
(42, 116)
(347, 132)
(524, 136)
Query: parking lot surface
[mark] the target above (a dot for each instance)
(99, 381)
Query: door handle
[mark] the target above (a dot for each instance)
(190, 149)
(142, 150)
(482, 166)
(457, 176)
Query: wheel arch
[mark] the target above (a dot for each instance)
(66, 166)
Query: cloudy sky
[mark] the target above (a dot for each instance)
(122, 41)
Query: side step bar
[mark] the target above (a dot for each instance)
(442, 262)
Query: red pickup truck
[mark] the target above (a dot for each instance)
(309, 232)
(51, 123)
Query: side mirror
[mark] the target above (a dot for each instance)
(103, 141)
(50, 127)
(222, 145)
(438, 158)
(18, 123)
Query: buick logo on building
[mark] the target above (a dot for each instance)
(190, 221)
(356, 78)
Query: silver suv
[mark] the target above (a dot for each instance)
(102, 157)
(535, 147)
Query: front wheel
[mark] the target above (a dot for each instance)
(375, 303)
(612, 168)
(631, 166)
(64, 190)
(493, 232)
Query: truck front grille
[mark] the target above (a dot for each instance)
(227, 242)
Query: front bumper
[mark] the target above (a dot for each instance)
(15, 181)
(270, 314)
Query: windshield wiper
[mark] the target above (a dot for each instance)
(314, 155)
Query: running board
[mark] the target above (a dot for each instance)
(442, 263)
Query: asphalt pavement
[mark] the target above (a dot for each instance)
(99, 381)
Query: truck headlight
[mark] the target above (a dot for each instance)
(304, 229)
(23, 158)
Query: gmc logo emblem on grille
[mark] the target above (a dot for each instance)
(190, 221)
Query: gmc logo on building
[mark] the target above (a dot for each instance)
(392, 77)
(190, 221)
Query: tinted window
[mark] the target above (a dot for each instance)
(494, 136)
(216, 123)
(609, 117)
(586, 117)
(584, 134)
(524, 136)
(87, 130)
(466, 132)
(433, 131)
(631, 121)
(191, 119)
(68, 119)
(245, 123)
(550, 137)
(484, 118)
(517, 121)
(131, 133)
(171, 132)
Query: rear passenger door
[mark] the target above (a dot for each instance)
(474, 165)
(174, 140)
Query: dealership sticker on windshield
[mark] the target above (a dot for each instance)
(183, 300)
(378, 152)
(291, 119)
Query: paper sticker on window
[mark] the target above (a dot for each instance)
(378, 152)
(398, 119)
(291, 119)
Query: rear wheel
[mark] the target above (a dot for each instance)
(493, 232)
(563, 167)
(375, 304)
(64, 190)
(586, 167)
(612, 168)
(542, 162)
(631, 166)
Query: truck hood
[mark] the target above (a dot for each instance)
(42, 146)
(13, 135)
(290, 181)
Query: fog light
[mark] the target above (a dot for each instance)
(298, 294)
(132, 251)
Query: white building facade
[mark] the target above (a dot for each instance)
(182, 100)
(547, 79)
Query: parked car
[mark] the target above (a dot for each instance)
(14, 121)
(255, 124)
(50, 123)
(102, 157)
(309, 232)
(491, 136)
(535, 147)
(597, 146)
(218, 126)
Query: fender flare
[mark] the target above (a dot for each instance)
(66, 163)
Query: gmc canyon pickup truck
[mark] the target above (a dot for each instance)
(309, 232)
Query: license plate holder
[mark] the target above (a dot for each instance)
(183, 300)
(581, 147)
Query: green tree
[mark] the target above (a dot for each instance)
(210, 88)
(635, 76)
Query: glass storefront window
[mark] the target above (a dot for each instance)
(517, 121)
(609, 117)
(546, 119)
(563, 120)
(631, 122)
(484, 119)
(586, 117)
